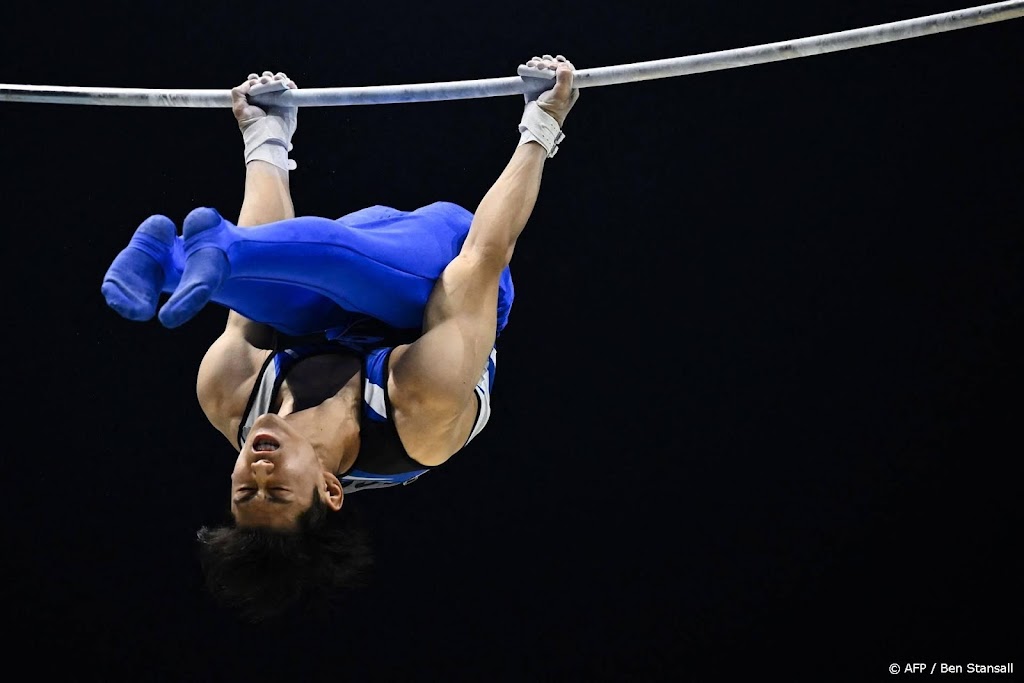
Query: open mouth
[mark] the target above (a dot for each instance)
(264, 443)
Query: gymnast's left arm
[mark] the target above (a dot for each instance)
(239, 351)
(267, 136)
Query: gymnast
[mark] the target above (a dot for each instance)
(358, 353)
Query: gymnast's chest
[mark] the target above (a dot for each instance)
(311, 381)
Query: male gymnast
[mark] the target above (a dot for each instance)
(358, 352)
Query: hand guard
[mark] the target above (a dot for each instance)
(270, 138)
(537, 125)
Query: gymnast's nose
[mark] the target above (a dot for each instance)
(261, 469)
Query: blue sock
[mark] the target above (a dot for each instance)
(151, 264)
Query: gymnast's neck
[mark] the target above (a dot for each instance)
(325, 411)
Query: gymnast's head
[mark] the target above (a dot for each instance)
(273, 475)
(287, 544)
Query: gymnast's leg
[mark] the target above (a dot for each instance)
(296, 274)
(152, 264)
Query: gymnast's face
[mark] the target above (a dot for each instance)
(275, 474)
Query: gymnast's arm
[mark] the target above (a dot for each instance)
(267, 199)
(231, 363)
(431, 381)
(233, 360)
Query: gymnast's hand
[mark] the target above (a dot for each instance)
(247, 113)
(558, 100)
(267, 131)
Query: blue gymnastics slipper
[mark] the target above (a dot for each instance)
(142, 270)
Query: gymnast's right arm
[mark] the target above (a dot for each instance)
(232, 361)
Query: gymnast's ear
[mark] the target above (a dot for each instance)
(333, 495)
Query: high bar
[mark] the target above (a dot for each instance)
(515, 85)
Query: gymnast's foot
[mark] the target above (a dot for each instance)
(139, 273)
(206, 268)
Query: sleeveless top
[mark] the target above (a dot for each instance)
(382, 460)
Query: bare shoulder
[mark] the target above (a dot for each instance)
(432, 421)
(228, 371)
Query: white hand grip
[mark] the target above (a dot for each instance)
(264, 88)
(531, 72)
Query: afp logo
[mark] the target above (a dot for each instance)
(908, 668)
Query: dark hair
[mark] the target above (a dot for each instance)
(264, 573)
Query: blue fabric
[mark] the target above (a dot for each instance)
(301, 276)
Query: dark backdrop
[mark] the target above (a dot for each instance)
(757, 410)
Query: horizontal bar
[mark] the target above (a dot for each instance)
(515, 85)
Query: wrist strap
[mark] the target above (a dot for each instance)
(268, 139)
(539, 126)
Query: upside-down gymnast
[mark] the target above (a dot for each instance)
(358, 353)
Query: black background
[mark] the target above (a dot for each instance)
(757, 410)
